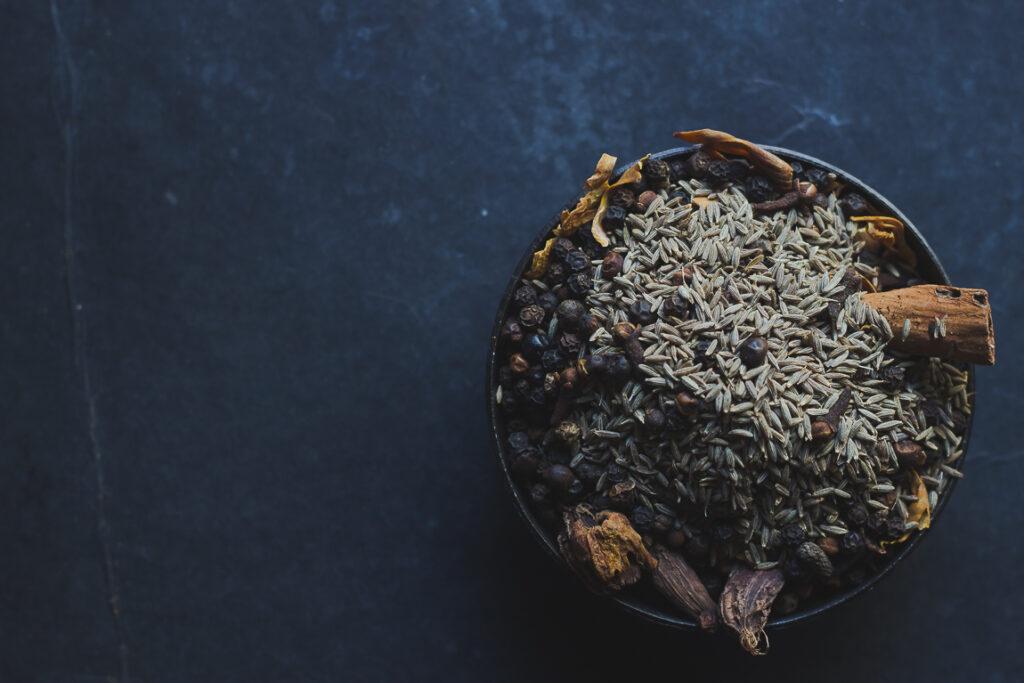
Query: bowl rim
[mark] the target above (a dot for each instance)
(637, 605)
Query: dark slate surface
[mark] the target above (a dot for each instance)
(251, 255)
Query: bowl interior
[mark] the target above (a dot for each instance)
(648, 607)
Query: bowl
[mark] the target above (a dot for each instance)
(649, 606)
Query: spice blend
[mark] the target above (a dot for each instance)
(693, 390)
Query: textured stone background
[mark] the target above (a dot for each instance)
(251, 252)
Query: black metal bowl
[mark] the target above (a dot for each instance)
(651, 608)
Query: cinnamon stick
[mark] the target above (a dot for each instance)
(953, 323)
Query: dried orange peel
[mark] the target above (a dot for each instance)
(888, 233)
(632, 175)
(919, 511)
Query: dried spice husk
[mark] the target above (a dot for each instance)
(746, 602)
(539, 263)
(919, 511)
(604, 170)
(702, 202)
(683, 588)
(772, 167)
(603, 549)
(632, 174)
(885, 232)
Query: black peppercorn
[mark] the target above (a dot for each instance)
(697, 164)
(510, 404)
(536, 374)
(588, 472)
(536, 344)
(524, 463)
(560, 247)
(876, 522)
(759, 189)
(579, 283)
(793, 534)
(798, 168)
(893, 377)
(505, 375)
(654, 420)
(753, 351)
(817, 176)
(614, 217)
(622, 197)
(576, 489)
(642, 518)
(525, 295)
(539, 494)
(570, 311)
(656, 174)
(557, 477)
(512, 331)
(640, 312)
(587, 325)
(537, 397)
(851, 543)
(548, 301)
(552, 360)
(570, 344)
(597, 364)
(894, 528)
(682, 195)
(854, 204)
(522, 388)
(555, 273)
(675, 306)
(518, 441)
(857, 515)
(677, 170)
(618, 366)
(616, 473)
(719, 173)
(675, 421)
(577, 260)
(531, 316)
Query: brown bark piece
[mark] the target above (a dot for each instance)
(969, 335)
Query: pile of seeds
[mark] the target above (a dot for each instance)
(731, 394)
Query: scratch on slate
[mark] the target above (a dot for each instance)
(68, 101)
